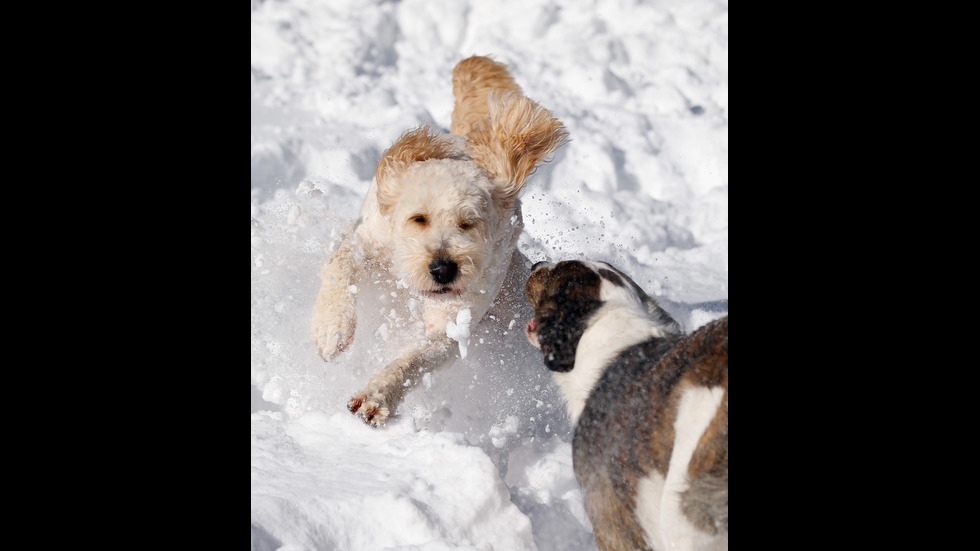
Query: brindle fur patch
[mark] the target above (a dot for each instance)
(610, 455)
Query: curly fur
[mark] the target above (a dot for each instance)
(442, 215)
(472, 78)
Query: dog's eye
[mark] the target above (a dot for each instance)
(420, 219)
(465, 226)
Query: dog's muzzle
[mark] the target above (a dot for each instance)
(443, 270)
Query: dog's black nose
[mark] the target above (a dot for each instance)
(443, 270)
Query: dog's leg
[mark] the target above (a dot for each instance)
(378, 400)
(335, 309)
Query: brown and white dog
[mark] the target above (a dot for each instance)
(442, 217)
(649, 406)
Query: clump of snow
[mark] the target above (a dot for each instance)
(700, 317)
(459, 330)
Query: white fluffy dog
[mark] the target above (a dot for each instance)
(443, 216)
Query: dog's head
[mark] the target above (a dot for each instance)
(568, 296)
(452, 201)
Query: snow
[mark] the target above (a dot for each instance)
(478, 456)
(459, 330)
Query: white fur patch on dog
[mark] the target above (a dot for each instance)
(649, 494)
(620, 323)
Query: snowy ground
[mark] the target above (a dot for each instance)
(479, 456)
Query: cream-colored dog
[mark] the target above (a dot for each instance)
(443, 216)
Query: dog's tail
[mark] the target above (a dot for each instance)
(473, 80)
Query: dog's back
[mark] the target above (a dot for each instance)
(656, 425)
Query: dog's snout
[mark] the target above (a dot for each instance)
(443, 270)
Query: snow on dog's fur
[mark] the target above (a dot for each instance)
(443, 216)
(649, 405)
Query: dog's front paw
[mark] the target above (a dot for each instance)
(332, 338)
(373, 409)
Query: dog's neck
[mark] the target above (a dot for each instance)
(612, 329)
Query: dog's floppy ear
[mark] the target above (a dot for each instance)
(413, 146)
(571, 298)
(515, 138)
